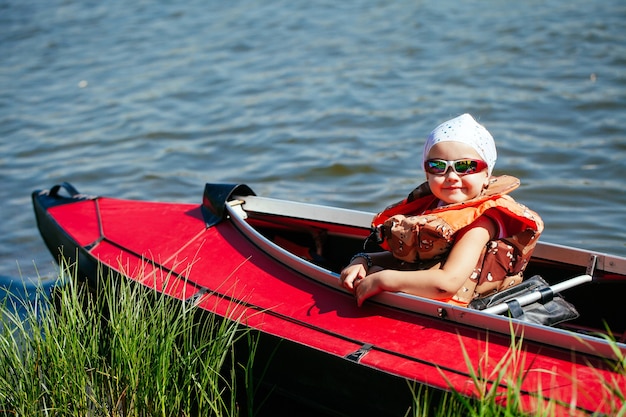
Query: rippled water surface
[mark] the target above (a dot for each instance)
(326, 102)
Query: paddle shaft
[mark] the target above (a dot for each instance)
(536, 295)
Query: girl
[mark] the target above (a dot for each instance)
(456, 237)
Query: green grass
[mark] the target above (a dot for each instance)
(118, 350)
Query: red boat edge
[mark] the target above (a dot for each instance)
(272, 265)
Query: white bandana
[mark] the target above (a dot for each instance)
(466, 130)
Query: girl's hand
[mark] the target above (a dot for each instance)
(367, 287)
(351, 275)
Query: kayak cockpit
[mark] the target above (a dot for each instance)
(319, 241)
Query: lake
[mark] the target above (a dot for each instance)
(323, 102)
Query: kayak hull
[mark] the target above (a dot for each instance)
(315, 344)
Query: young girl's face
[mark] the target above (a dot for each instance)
(452, 187)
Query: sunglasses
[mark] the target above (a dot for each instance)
(460, 166)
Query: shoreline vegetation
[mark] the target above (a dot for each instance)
(125, 350)
(117, 350)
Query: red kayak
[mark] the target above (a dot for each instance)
(273, 266)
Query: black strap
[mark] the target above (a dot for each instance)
(546, 295)
(515, 309)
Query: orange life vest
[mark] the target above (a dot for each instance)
(415, 230)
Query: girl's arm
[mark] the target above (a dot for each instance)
(432, 283)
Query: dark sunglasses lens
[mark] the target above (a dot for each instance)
(436, 167)
(466, 167)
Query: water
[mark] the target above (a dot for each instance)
(325, 102)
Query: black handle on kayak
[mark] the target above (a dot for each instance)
(71, 190)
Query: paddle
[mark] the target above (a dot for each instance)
(545, 294)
